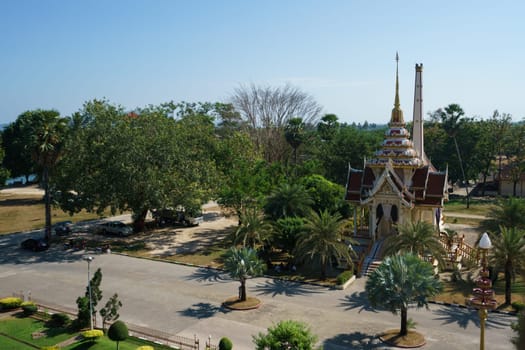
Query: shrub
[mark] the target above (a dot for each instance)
(59, 320)
(145, 347)
(92, 334)
(344, 276)
(10, 303)
(518, 306)
(51, 347)
(118, 331)
(225, 344)
(29, 308)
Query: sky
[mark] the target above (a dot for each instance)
(58, 54)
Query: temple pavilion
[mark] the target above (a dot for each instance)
(399, 184)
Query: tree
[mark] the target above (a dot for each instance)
(322, 240)
(509, 212)
(46, 132)
(400, 281)
(326, 195)
(110, 311)
(96, 293)
(241, 264)
(508, 254)
(253, 229)
(519, 328)
(286, 232)
(418, 238)
(118, 332)
(294, 134)
(266, 111)
(136, 161)
(82, 320)
(16, 139)
(4, 173)
(286, 334)
(288, 200)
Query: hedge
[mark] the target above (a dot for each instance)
(10, 303)
(344, 276)
(92, 334)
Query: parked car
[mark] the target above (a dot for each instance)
(117, 228)
(63, 228)
(34, 244)
(177, 216)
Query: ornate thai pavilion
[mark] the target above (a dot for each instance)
(399, 184)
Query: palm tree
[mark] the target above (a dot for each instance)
(508, 253)
(48, 133)
(418, 238)
(241, 264)
(288, 200)
(509, 213)
(322, 240)
(294, 135)
(399, 281)
(253, 230)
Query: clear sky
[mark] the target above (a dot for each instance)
(60, 53)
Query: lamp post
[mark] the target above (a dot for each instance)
(89, 259)
(483, 298)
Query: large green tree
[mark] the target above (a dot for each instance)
(322, 240)
(419, 238)
(4, 173)
(253, 229)
(508, 254)
(288, 200)
(286, 334)
(241, 264)
(508, 212)
(137, 161)
(401, 281)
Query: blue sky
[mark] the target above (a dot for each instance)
(60, 53)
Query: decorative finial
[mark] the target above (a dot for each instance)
(397, 113)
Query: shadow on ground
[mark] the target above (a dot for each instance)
(203, 274)
(284, 287)
(357, 300)
(356, 340)
(203, 310)
(464, 316)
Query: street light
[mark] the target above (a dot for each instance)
(483, 298)
(89, 259)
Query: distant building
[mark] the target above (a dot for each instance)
(399, 184)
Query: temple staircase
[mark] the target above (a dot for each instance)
(373, 259)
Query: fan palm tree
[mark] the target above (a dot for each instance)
(418, 238)
(399, 281)
(253, 230)
(288, 200)
(241, 264)
(509, 213)
(48, 132)
(322, 240)
(508, 253)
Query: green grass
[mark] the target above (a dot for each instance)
(476, 207)
(22, 328)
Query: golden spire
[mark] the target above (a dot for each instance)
(397, 113)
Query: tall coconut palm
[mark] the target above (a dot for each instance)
(402, 280)
(418, 238)
(253, 230)
(288, 200)
(322, 240)
(48, 133)
(508, 254)
(241, 264)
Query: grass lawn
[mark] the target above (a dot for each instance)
(23, 328)
(26, 212)
(477, 206)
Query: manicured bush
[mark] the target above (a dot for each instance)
(225, 344)
(10, 303)
(118, 331)
(518, 306)
(51, 347)
(344, 276)
(60, 319)
(92, 334)
(29, 308)
(145, 347)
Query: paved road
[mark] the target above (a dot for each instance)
(183, 300)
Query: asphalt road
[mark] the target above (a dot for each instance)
(183, 300)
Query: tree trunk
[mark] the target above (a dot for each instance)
(242, 296)
(323, 271)
(47, 199)
(404, 321)
(508, 284)
(139, 223)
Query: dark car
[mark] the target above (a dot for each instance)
(34, 244)
(63, 228)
